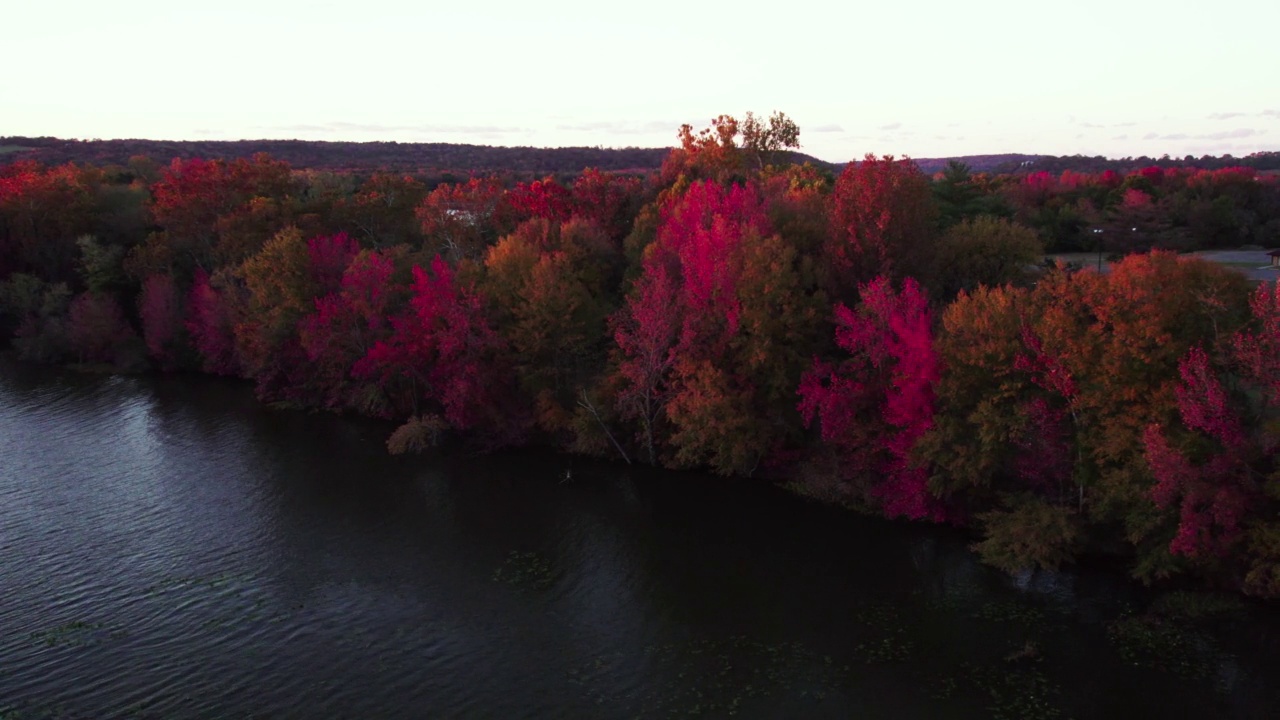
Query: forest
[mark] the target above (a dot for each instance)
(446, 162)
(875, 336)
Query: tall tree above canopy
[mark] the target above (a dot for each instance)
(764, 142)
(729, 149)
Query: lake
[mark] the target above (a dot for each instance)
(170, 548)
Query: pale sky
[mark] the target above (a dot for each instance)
(925, 79)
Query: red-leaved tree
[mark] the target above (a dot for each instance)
(161, 311)
(345, 326)
(873, 406)
(441, 358)
(211, 324)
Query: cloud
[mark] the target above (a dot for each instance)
(1100, 126)
(445, 129)
(890, 126)
(827, 129)
(349, 127)
(1237, 134)
(1120, 137)
(293, 128)
(1271, 113)
(622, 127)
(1225, 115)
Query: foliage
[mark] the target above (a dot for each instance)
(874, 406)
(882, 224)
(673, 318)
(161, 312)
(1027, 533)
(443, 356)
(96, 327)
(983, 251)
(417, 434)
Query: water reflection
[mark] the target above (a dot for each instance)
(173, 549)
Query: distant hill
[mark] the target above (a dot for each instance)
(357, 156)
(447, 157)
(979, 163)
(1018, 163)
(401, 157)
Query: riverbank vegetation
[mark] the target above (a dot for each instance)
(878, 337)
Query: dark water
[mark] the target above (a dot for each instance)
(169, 548)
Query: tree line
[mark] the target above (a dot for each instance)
(878, 337)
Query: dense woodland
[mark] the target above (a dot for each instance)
(877, 337)
(437, 162)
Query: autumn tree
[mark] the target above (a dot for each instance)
(873, 406)
(35, 312)
(211, 323)
(42, 213)
(281, 282)
(729, 149)
(549, 288)
(764, 143)
(718, 293)
(609, 200)
(983, 251)
(442, 359)
(1055, 387)
(213, 212)
(545, 199)
(382, 211)
(882, 224)
(974, 447)
(644, 331)
(96, 328)
(346, 324)
(797, 199)
(161, 310)
(1215, 468)
(463, 220)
